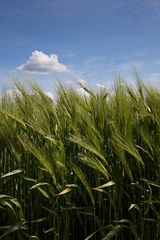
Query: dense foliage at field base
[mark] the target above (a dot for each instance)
(81, 167)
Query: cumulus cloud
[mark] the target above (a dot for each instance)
(41, 62)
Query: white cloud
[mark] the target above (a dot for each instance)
(50, 95)
(82, 92)
(82, 81)
(16, 93)
(101, 86)
(41, 62)
(13, 93)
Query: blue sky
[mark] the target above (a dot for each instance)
(92, 39)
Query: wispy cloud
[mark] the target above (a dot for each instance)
(153, 78)
(128, 66)
(70, 55)
(154, 6)
(101, 86)
(101, 63)
(94, 60)
(43, 63)
(139, 53)
(93, 67)
(153, 3)
(101, 69)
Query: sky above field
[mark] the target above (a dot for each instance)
(91, 39)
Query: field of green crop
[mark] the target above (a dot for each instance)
(81, 167)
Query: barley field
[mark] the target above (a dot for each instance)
(82, 167)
